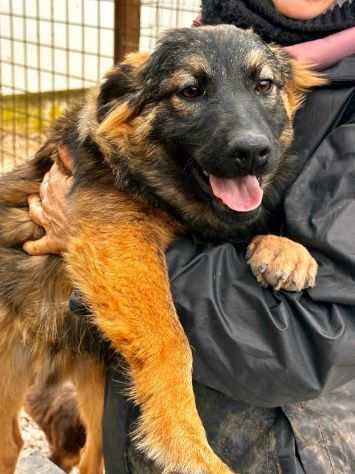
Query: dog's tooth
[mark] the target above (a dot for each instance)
(205, 173)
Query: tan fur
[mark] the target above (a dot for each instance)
(303, 79)
(180, 106)
(133, 249)
(281, 263)
(178, 80)
(196, 63)
(255, 60)
(14, 364)
(17, 227)
(117, 123)
(136, 59)
(90, 383)
(116, 258)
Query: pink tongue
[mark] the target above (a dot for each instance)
(240, 194)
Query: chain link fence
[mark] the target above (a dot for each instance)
(158, 15)
(52, 51)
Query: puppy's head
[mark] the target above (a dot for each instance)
(204, 123)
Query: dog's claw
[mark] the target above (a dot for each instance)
(282, 263)
(262, 268)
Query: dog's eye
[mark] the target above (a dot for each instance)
(264, 86)
(191, 92)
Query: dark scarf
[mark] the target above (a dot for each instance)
(271, 25)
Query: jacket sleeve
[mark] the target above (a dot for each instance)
(254, 344)
(270, 348)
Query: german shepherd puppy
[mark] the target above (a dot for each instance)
(194, 137)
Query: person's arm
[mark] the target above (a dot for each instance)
(324, 52)
(251, 343)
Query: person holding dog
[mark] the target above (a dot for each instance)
(274, 372)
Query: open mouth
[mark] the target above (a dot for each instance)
(238, 194)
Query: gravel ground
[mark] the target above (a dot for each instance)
(35, 448)
(36, 465)
(34, 439)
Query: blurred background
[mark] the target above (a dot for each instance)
(52, 51)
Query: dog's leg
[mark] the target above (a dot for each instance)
(11, 440)
(90, 382)
(14, 380)
(118, 262)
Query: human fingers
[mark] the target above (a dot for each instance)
(43, 189)
(43, 246)
(36, 212)
(57, 182)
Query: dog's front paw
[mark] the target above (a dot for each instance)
(281, 263)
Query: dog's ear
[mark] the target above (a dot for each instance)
(121, 87)
(300, 78)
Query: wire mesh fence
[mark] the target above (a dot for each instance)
(158, 15)
(52, 51)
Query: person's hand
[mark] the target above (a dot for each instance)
(49, 209)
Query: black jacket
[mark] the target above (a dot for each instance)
(256, 348)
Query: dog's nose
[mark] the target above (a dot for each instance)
(250, 151)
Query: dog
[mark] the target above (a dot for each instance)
(195, 138)
(53, 406)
